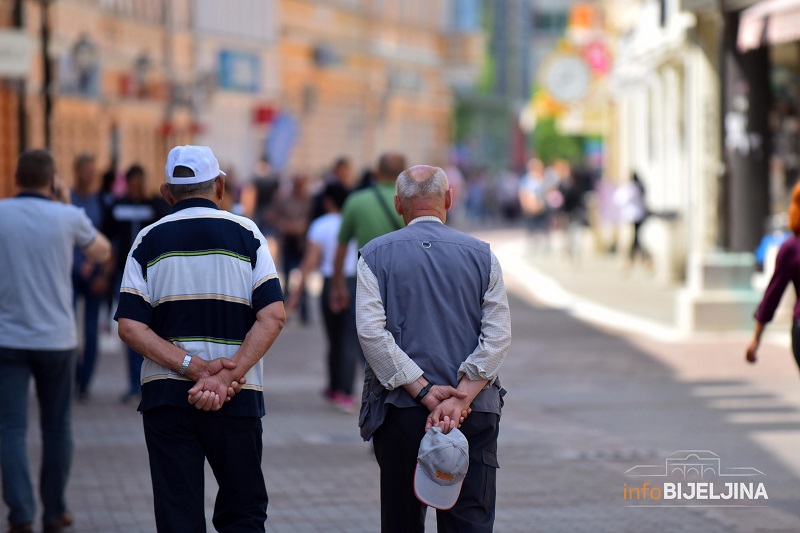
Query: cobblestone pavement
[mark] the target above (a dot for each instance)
(585, 404)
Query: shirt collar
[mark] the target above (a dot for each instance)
(32, 195)
(425, 219)
(194, 202)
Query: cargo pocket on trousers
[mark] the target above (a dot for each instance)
(368, 396)
(490, 466)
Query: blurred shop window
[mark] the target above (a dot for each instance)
(146, 10)
(79, 70)
(465, 15)
(239, 71)
(550, 22)
(251, 19)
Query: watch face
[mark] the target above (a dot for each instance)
(567, 77)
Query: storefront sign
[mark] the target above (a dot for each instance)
(239, 71)
(15, 53)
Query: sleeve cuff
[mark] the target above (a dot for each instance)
(410, 373)
(473, 373)
(133, 307)
(267, 293)
(89, 242)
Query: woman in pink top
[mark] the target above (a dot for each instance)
(787, 268)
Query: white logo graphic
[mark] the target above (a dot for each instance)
(688, 462)
(690, 465)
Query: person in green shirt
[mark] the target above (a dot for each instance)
(367, 214)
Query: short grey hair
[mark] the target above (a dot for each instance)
(188, 190)
(434, 186)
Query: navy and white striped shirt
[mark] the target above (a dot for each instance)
(198, 277)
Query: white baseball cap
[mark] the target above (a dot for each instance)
(198, 158)
(442, 464)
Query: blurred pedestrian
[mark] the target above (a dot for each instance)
(91, 280)
(107, 182)
(509, 195)
(200, 299)
(787, 269)
(432, 314)
(631, 201)
(476, 198)
(367, 214)
(107, 186)
(38, 336)
(455, 180)
(256, 200)
(366, 180)
(533, 201)
(127, 217)
(341, 172)
(340, 327)
(573, 210)
(290, 213)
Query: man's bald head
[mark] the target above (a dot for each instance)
(422, 190)
(390, 165)
(421, 181)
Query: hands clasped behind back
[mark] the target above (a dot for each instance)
(448, 407)
(215, 384)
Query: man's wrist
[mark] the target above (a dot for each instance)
(423, 392)
(187, 360)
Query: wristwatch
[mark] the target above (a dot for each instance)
(423, 391)
(185, 366)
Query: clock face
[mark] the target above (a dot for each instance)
(566, 77)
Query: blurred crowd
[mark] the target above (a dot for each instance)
(301, 216)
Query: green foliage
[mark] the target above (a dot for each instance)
(549, 144)
(486, 78)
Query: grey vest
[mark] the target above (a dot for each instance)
(432, 280)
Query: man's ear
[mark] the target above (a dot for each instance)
(398, 206)
(220, 187)
(166, 194)
(448, 199)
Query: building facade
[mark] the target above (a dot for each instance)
(359, 77)
(300, 82)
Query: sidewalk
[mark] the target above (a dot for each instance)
(585, 404)
(599, 289)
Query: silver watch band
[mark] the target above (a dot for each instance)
(185, 366)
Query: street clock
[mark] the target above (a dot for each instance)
(565, 76)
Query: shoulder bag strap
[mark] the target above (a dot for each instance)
(386, 208)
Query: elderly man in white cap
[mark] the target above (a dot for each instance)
(200, 299)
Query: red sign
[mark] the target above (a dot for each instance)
(263, 114)
(597, 57)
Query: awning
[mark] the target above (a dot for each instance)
(769, 22)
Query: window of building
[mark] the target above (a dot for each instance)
(550, 22)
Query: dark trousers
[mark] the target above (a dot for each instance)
(179, 440)
(292, 254)
(344, 350)
(396, 446)
(636, 244)
(53, 373)
(88, 358)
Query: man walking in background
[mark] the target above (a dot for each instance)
(367, 214)
(127, 216)
(201, 300)
(432, 314)
(90, 279)
(38, 336)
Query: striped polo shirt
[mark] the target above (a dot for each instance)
(197, 278)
